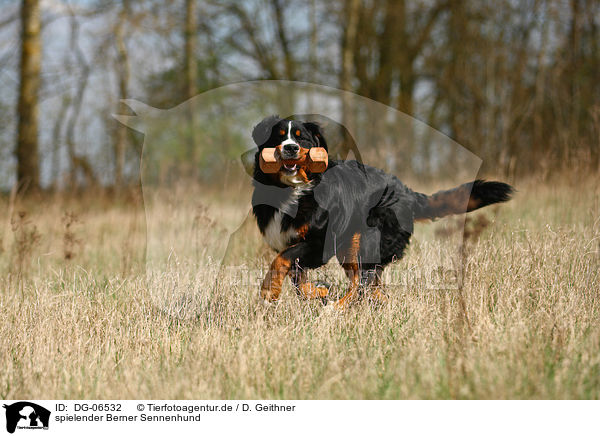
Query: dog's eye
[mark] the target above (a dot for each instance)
(297, 132)
(282, 132)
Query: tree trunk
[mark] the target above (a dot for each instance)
(538, 97)
(123, 78)
(574, 72)
(288, 59)
(77, 162)
(56, 142)
(27, 128)
(191, 75)
(390, 48)
(349, 36)
(312, 55)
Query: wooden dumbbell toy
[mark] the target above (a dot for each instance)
(315, 161)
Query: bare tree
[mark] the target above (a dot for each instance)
(191, 72)
(120, 143)
(515, 82)
(283, 39)
(347, 69)
(27, 128)
(78, 162)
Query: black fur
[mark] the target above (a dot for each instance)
(491, 192)
(350, 198)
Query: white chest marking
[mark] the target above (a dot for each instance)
(276, 238)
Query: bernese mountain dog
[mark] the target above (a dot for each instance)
(357, 213)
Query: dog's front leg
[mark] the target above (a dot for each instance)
(273, 281)
(289, 262)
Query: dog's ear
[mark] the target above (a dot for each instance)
(248, 159)
(317, 133)
(262, 131)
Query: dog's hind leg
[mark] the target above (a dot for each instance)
(350, 263)
(362, 282)
(365, 279)
(372, 283)
(354, 293)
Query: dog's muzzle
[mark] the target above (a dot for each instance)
(289, 151)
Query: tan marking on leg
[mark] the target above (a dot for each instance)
(377, 297)
(352, 295)
(271, 285)
(311, 291)
(350, 265)
(308, 290)
(375, 293)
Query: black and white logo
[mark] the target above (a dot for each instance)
(26, 415)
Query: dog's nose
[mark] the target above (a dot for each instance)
(291, 148)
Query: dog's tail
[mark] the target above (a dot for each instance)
(464, 198)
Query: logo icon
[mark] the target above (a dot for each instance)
(26, 415)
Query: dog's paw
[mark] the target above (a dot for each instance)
(332, 308)
(377, 299)
(329, 310)
(266, 304)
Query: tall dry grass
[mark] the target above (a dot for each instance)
(80, 319)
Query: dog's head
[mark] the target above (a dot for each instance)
(292, 140)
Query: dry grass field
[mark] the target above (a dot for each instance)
(79, 321)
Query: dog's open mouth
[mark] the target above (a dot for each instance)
(290, 168)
